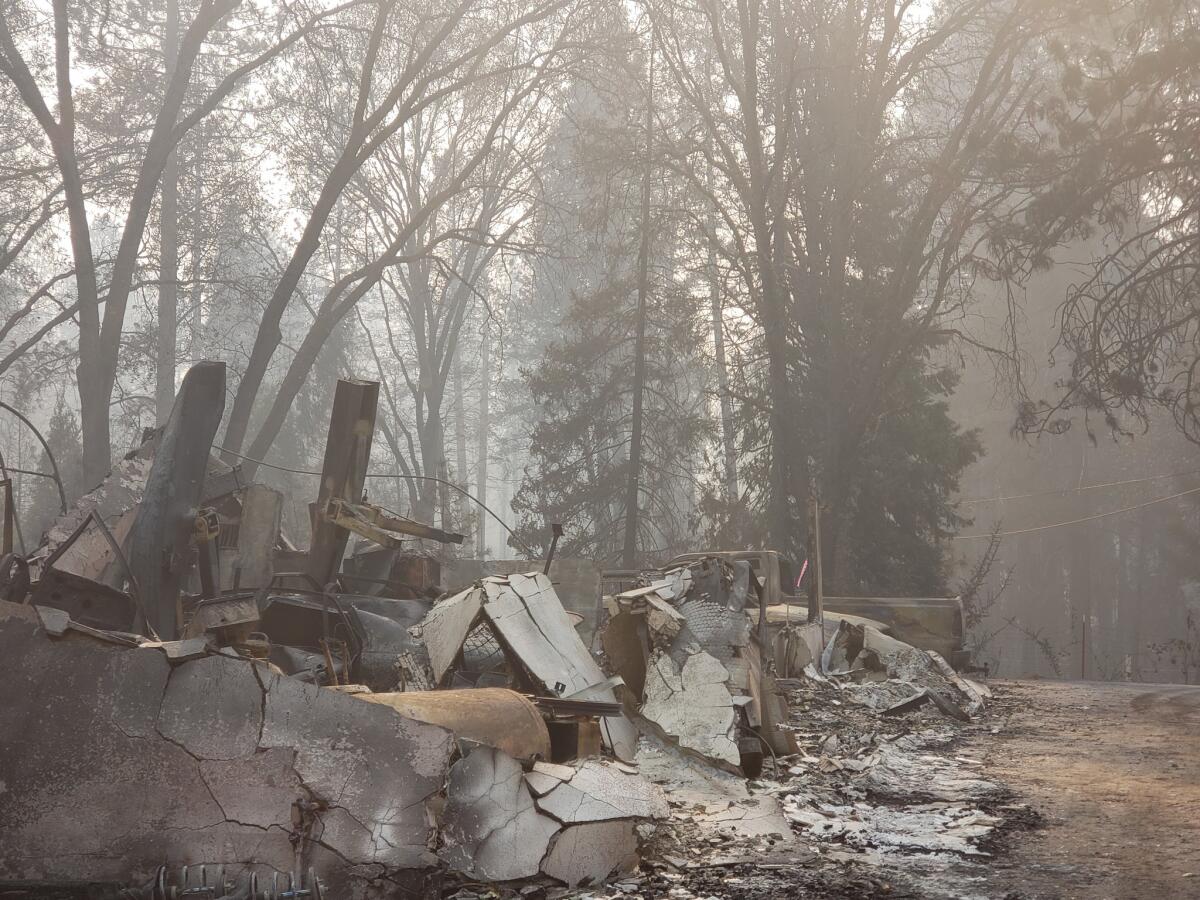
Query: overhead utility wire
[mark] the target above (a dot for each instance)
(450, 484)
(1086, 487)
(1103, 515)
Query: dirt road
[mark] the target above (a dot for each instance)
(1114, 770)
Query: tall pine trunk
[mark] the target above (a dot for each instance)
(168, 247)
(197, 290)
(633, 486)
(460, 438)
(481, 448)
(728, 435)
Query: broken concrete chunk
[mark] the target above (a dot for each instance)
(597, 791)
(541, 783)
(675, 584)
(590, 853)
(213, 708)
(555, 770)
(490, 826)
(753, 817)
(664, 621)
(378, 766)
(692, 705)
(55, 621)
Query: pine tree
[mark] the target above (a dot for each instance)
(583, 387)
(63, 436)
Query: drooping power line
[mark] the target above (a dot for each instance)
(1103, 515)
(1076, 490)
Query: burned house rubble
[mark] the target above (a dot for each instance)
(198, 707)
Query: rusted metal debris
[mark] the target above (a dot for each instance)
(381, 527)
(343, 473)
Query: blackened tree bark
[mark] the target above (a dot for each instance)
(629, 553)
(168, 247)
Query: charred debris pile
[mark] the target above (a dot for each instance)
(195, 707)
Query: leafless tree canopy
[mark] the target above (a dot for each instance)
(662, 272)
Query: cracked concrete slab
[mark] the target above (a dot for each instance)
(365, 758)
(590, 853)
(692, 705)
(258, 790)
(212, 707)
(89, 789)
(92, 787)
(751, 817)
(597, 791)
(541, 783)
(491, 828)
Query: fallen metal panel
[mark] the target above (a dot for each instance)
(531, 621)
(446, 627)
(493, 716)
(258, 532)
(527, 615)
(380, 527)
(114, 500)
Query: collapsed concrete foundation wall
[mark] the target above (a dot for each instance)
(114, 761)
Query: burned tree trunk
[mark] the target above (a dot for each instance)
(633, 486)
(168, 247)
(481, 449)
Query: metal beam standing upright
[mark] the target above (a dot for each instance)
(816, 591)
(159, 545)
(343, 473)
